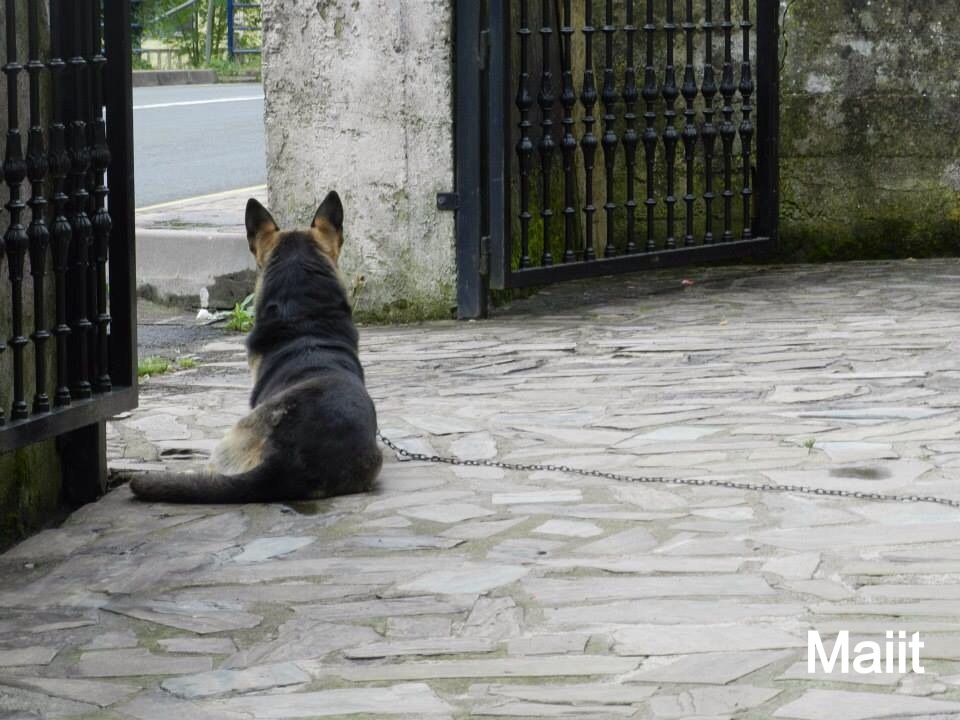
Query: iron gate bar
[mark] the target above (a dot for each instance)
(609, 141)
(650, 117)
(630, 137)
(670, 93)
(96, 372)
(102, 223)
(767, 189)
(755, 217)
(15, 238)
(38, 233)
(641, 261)
(471, 288)
(497, 123)
(690, 133)
(709, 131)
(122, 275)
(589, 142)
(746, 126)
(80, 388)
(58, 423)
(525, 144)
(568, 99)
(62, 232)
(727, 130)
(546, 146)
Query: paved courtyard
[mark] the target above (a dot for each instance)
(455, 592)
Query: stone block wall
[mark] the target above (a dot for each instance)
(870, 129)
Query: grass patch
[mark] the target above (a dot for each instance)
(240, 319)
(154, 365)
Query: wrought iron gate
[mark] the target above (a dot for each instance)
(601, 137)
(69, 360)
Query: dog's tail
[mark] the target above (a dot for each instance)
(205, 487)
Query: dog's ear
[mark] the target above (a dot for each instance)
(261, 231)
(330, 213)
(259, 219)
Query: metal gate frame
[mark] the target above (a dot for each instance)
(84, 153)
(483, 156)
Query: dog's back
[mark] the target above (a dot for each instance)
(312, 430)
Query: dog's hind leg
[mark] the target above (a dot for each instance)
(244, 445)
(241, 449)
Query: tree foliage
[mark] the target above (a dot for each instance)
(182, 25)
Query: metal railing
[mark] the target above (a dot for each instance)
(248, 25)
(70, 356)
(614, 136)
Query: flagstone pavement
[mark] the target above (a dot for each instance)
(456, 592)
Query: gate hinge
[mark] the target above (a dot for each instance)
(484, 49)
(448, 201)
(485, 256)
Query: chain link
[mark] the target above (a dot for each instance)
(664, 480)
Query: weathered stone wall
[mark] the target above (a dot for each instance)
(30, 478)
(359, 99)
(870, 121)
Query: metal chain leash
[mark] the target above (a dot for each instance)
(664, 480)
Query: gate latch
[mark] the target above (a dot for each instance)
(448, 201)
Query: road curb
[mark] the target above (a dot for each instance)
(175, 266)
(154, 78)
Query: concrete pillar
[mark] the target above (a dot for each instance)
(359, 98)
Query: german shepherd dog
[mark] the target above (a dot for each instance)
(312, 429)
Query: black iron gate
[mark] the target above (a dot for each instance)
(68, 315)
(601, 137)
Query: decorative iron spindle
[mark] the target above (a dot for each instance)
(746, 126)
(630, 136)
(588, 143)
(609, 140)
(650, 137)
(690, 134)
(37, 232)
(709, 130)
(82, 228)
(727, 130)
(102, 224)
(15, 238)
(546, 100)
(89, 52)
(62, 232)
(525, 144)
(670, 93)
(568, 98)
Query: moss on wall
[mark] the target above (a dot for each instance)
(870, 130)
(29, 491)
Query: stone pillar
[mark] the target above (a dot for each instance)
(359, 98)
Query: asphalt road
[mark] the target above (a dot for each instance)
(197, 139)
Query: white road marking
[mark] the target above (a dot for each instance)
(252, 190)
(186, 103)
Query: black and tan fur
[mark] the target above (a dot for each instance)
(312, 428)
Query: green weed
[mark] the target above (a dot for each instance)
(240, 319)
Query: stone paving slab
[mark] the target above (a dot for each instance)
(455, 592)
